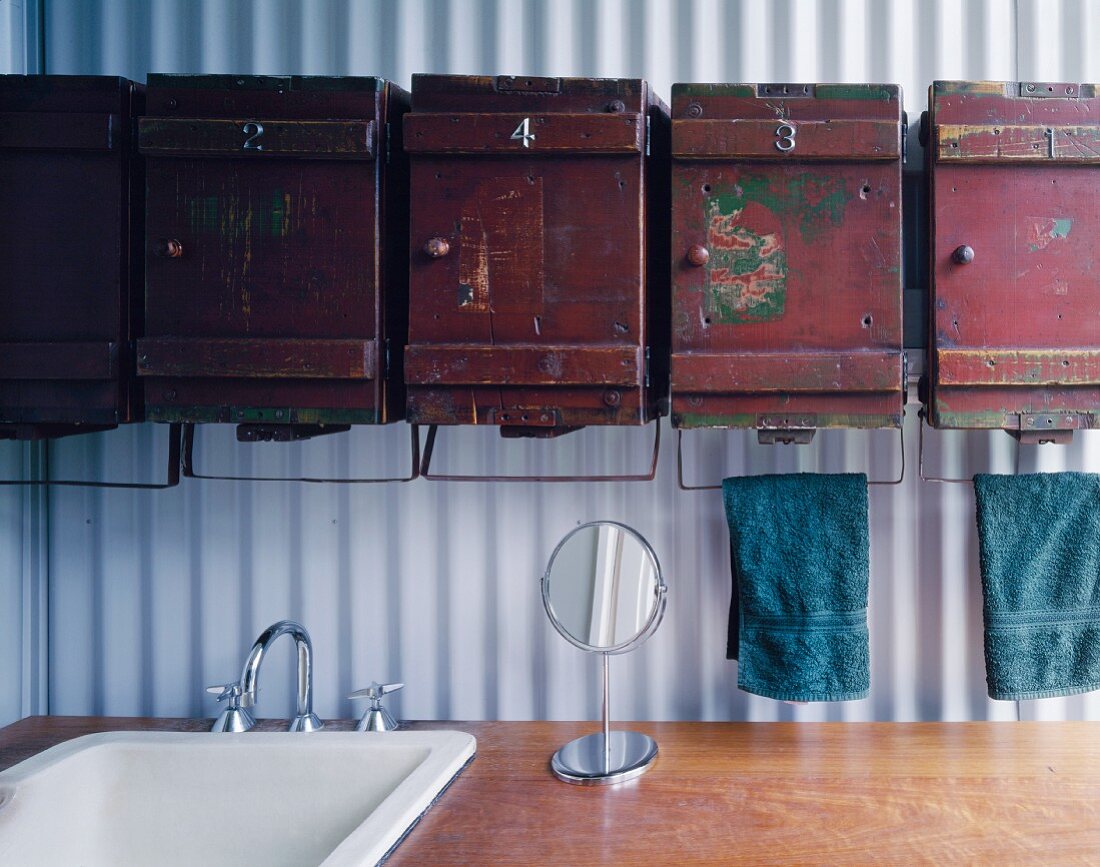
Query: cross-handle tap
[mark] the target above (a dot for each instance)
(242, 695)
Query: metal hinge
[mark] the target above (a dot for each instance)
(388, 138)
(386, 360)
(648, 124)
(646, 378)
(904, 136)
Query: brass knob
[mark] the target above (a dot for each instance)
(170, 248)
(437, 247)
(963, 255)
(698, 255)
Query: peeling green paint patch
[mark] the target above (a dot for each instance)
(1043, 231)
(816, 200)
(877, 92)
(203, 213)
(697, 89)
(746, 272)
(279, 222)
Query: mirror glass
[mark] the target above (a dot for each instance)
(603, 588)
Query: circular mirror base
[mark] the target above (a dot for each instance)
(586, 763)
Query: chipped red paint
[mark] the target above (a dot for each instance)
(546, 301)
(1014, 332)
(803, 252)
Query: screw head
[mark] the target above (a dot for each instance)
(611, 397)
(616, 105)
(694, 109)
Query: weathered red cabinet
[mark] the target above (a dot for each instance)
(276, 290)
(1015, 218)
(538, 206)
(66, 263)
(786, 255)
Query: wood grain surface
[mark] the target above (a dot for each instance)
(754, 793)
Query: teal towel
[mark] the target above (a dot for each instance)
(1039, 540)
(798, 618)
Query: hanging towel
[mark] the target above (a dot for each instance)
(1039, 540)
(798, 618)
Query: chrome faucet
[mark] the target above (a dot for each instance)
(242, 694)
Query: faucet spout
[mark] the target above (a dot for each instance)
(305, 719)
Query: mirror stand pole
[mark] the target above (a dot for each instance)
(607, 713)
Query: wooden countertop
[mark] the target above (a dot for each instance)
(744, 792)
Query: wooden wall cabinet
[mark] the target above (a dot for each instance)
(537, 289)
(1015, 305)
(71, 207)
(786, 257)
(276, 275)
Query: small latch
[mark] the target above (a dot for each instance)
(786, 91)
(1049, 90)
(1048, 427)
(797, 429)
(527, 84)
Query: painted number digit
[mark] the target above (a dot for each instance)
(523, 133)
(785, 134)
(253, 130)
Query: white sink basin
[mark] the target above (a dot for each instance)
(332, 798)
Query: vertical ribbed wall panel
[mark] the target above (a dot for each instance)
(157, 594)
(12, 529)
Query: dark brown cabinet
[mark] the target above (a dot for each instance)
(70, 278)
(276, 265)
(538, 294)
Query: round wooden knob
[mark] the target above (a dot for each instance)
(170, 248)
(963, 254)
(437, 247)
(697, 255)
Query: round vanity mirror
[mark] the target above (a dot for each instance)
(604, 592)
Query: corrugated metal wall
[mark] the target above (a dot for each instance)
(156, 595)
(23, 513)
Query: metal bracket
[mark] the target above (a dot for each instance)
(684, 486)
(429, 447)
(1023, 437)
(1050, 89)
(1038, 428)
(788, 430)
(189, 471)
(527, 84)
(173, 473)
(286, 433)
(786, 91)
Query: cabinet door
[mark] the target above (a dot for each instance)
(527, 288)
(263, 271)
(1015, 169)
(65, 254)
(786, 254)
